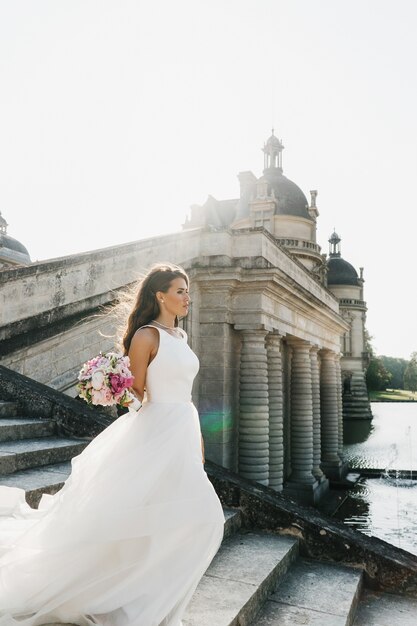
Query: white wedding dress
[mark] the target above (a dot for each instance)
(127, 539)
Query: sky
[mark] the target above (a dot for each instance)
(117, 115)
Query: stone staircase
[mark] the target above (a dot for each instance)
(32, 457)
(257, 578)
(356, 401)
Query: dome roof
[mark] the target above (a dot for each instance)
(340, 272)
(274, 141)
(289, 197)
(12, 251)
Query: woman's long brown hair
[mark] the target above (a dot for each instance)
(146, 307)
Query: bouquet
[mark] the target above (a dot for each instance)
(105, 381)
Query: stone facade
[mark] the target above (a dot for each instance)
(348, 287)
(254, 310)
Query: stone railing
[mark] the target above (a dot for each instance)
(386, 567)
(73, 417)
(352, 302)
(299, 244)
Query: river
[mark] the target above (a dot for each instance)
(385, 507)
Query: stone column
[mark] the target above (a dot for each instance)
(339, 404)
(276, 425)
(301, 484)
(345, 465)
(315, 384)
(331, 463)
(254, 407)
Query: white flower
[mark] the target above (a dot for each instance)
(97, 380)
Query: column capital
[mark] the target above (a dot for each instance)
(328, 355)
(298, 344)
(274, 339)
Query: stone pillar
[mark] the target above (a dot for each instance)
(339, 404)
(315, 386)
(339, 386)
(331, 463)
(254, 407)
(276, 416)
(301, 485)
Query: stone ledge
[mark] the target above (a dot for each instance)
(29, 331)
(385, 567)
(73, 417)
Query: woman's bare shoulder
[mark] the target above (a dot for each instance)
(146, 335)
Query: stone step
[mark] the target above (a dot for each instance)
(314, 594)
(15, 428)
(38, 480)
(27, 453)
(233, 521)
(242, 574)
(386, 609)
(7, 409)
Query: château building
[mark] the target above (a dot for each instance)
(265, 321)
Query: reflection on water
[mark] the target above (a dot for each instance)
(389, 441)
(357, 431)
(384, 507)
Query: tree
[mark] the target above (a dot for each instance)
(410, 374)
(377, 376)
(396, 368)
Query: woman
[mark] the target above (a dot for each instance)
(127, 539)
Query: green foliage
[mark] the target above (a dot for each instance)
(396, 367)
(410, 374)
(368, 343)
(377, 377)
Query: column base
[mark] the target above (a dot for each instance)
(335, 470)
(306, 494)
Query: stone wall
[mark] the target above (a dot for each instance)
(251, 302)
(56, 361)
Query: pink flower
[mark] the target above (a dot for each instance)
(119, 383)
(103, 397)
(104, 380)
(97, 379)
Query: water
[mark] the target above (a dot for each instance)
(385, 507)
(390, 440)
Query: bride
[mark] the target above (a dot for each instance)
(127, 539)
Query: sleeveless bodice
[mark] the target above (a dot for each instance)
(171, 374)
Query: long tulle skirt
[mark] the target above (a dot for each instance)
(126, 540)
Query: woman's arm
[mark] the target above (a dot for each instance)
(142, 351)
(202, 449)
